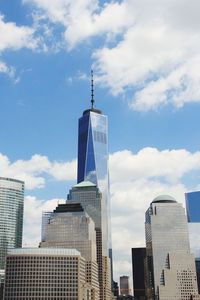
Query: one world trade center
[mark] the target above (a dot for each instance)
(93, 163)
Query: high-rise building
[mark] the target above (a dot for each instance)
(171, 270)
(69, 226)
(197, 263)
(93, 163)
(11, 215)
(192, 201)
(46, 273)
(138, 268)
(124, 285)
(90, 198)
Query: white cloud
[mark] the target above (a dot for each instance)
(157, 59)
(16, 37)
(150, 162)
(7, 70)
(35, 170)
(83, 19)
(154, 58)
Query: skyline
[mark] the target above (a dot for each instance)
(152, 104)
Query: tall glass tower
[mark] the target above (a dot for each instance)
(93, 162)
(11, 215)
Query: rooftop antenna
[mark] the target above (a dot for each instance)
(92, 89)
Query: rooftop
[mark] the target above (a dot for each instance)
(95, 110)
(83, 184)
(164, 199)
(43, 251)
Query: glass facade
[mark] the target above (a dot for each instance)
(90, 198)
(192, 201)
(11, 215)
(69, 226)
(170, 266)
(93, 163)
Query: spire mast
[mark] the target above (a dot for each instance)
(92, 90)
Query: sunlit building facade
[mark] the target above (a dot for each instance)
(171, 270)
(70, 227)
(90, 198)
(46, 273)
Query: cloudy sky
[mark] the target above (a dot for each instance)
(146, 59)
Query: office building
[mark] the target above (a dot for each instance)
(11, 219)
(90, 198)
(115, 289)
(93, 163)
(171, 270)
(11, 215)
(69, 226)
(197, 263)
(46, 274)
(2, 277)
(124, 285)
(192, 201)
(138, 268)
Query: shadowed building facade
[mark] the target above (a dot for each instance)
(138, 268)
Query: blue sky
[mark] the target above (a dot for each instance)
(146, 62)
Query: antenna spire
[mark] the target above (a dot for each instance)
(92, 89)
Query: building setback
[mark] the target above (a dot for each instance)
(69, 226)
(88, 195)
(171, 270)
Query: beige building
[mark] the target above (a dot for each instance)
(124, 285)
(90, 198)
(46, 274)
(69, 226)
(170, 273)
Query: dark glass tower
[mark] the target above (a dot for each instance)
(93, 162)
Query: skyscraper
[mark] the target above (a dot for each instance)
(70, 227)
(138, 268)
(192, 201)
(93, 163)
(171, 270)
(11, 215)
(90, 198)
(124, 285)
